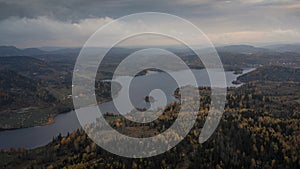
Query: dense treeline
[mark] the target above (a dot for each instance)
(272, 73)
(259, 129)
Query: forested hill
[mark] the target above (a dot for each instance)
(34, 90)
(272, 73)
(25, 102)
(15, 87)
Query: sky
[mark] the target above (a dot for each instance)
(69, 23)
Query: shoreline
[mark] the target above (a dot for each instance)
(51, 120)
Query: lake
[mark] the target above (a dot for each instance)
(141, 86)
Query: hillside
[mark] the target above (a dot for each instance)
(272, 73)
(25, 102)
(34, 90)
(14, 87)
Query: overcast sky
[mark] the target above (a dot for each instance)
(35, 23)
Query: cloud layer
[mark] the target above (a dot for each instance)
(69, 23)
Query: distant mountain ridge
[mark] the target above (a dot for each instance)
(241, 49)
(285, 47)
(14, 51)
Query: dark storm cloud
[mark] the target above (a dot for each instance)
(65, 10)
(234, 11)
(80, 9)
(75, 10)
(61, 10)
